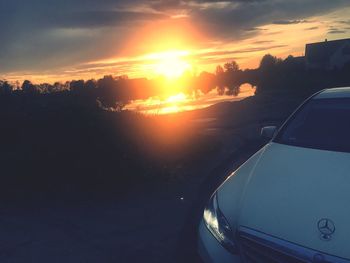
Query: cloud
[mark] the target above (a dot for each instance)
(312, 28)
(128, 65)
(289, 22)
(37, 34)
(255, 29)
(231, 21)
(345, 22)
(161, 5)
(244, 50)
(263, 41)
(336, 31)
(92, 19)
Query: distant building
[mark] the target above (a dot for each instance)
(300, 61)
(328, 54)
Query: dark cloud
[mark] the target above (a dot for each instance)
(240, 51)
(40, 34)
(344, 22)
(312, 28)
(263, 41)
(92, 19)
(289, 22)
(161, 5)
(231, 21)
(254, 29)
(228, 55)
(336, 31)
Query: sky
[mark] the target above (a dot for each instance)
(50, 40)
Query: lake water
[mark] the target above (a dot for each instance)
(182, 102)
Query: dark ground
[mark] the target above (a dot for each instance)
(120, 208)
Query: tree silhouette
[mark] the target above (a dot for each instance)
(232, 78)
(5, 87)
(273, 75)
(206, 82)
(91, 84)
(28, 87)
(77, 85)
(231, 66)
(220, 80)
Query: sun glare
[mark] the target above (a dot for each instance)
(176, 98)
(170, 64)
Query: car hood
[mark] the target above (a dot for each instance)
(286, 191)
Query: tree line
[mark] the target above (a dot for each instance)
(273, 75)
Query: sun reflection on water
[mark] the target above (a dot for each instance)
(182, 102)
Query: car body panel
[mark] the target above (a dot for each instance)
(288, 190)
(233, 188)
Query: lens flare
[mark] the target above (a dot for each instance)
(170, 64)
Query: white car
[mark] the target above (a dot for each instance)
(290, 202)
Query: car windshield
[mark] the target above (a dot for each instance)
(320, 124)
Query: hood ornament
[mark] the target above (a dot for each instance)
(326, 228)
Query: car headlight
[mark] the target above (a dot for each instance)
(218, 225)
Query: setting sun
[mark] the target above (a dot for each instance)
(176, 98)
(170, 64)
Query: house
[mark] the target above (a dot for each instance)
(327, 55)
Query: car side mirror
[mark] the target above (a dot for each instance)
(268, 132)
